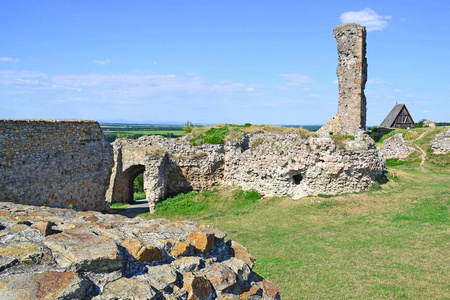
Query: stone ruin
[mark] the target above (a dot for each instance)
(61, 253)
(54, 163)
(397, 147)
(441, 143)
(283, 164)
(273, 164)
(352, 77)
(64, 254)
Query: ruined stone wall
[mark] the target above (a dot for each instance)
(352, 77)
(397, 147)
(54, 163)
(276, 164)
(441, 143)
(170, 167)
(290, 164)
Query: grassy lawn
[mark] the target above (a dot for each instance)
(392, 243)
(118, 205)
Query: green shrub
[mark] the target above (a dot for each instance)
(247, 196)
(139, 196)
(187, 128)
(212, 136)
(419, 124)
(138, 183)
(392, 162)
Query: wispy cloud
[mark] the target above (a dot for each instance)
(21, 77)
(121, 86)
(380, 82)
(9, 59)
(102, 62)
(299, 78)
(366, 17)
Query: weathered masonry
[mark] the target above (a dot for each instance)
(352, 77)
(54, 163)
(273, 164)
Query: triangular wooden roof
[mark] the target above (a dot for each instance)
(392, 116)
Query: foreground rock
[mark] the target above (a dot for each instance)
(50, 253)
(441, 143)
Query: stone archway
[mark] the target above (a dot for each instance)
(121, 184)
(131, 173)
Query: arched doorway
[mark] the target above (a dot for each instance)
(133, 172)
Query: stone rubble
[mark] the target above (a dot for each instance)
(397, 147)
(90, 255)
(441, 143)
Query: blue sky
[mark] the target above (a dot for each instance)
(208, 61)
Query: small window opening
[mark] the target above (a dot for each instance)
(297, 178)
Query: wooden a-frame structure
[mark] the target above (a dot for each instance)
(399, 117)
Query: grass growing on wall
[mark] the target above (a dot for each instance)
(221, 133)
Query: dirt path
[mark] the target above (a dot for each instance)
(424, 154)
(139, 207)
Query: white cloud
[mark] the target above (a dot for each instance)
(22, 77)
(380, 82)
(299, 78)
(9, 59)
(397, 90)
(102, 62)
(120, 86)
(366, 17)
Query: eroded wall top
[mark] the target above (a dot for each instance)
(352, 77)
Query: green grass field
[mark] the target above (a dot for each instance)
(146, 132)
(389, 243)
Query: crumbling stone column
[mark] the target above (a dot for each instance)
(352, 77)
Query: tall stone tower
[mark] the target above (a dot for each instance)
(352, 77)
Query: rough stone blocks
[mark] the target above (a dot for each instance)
(54, 163)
